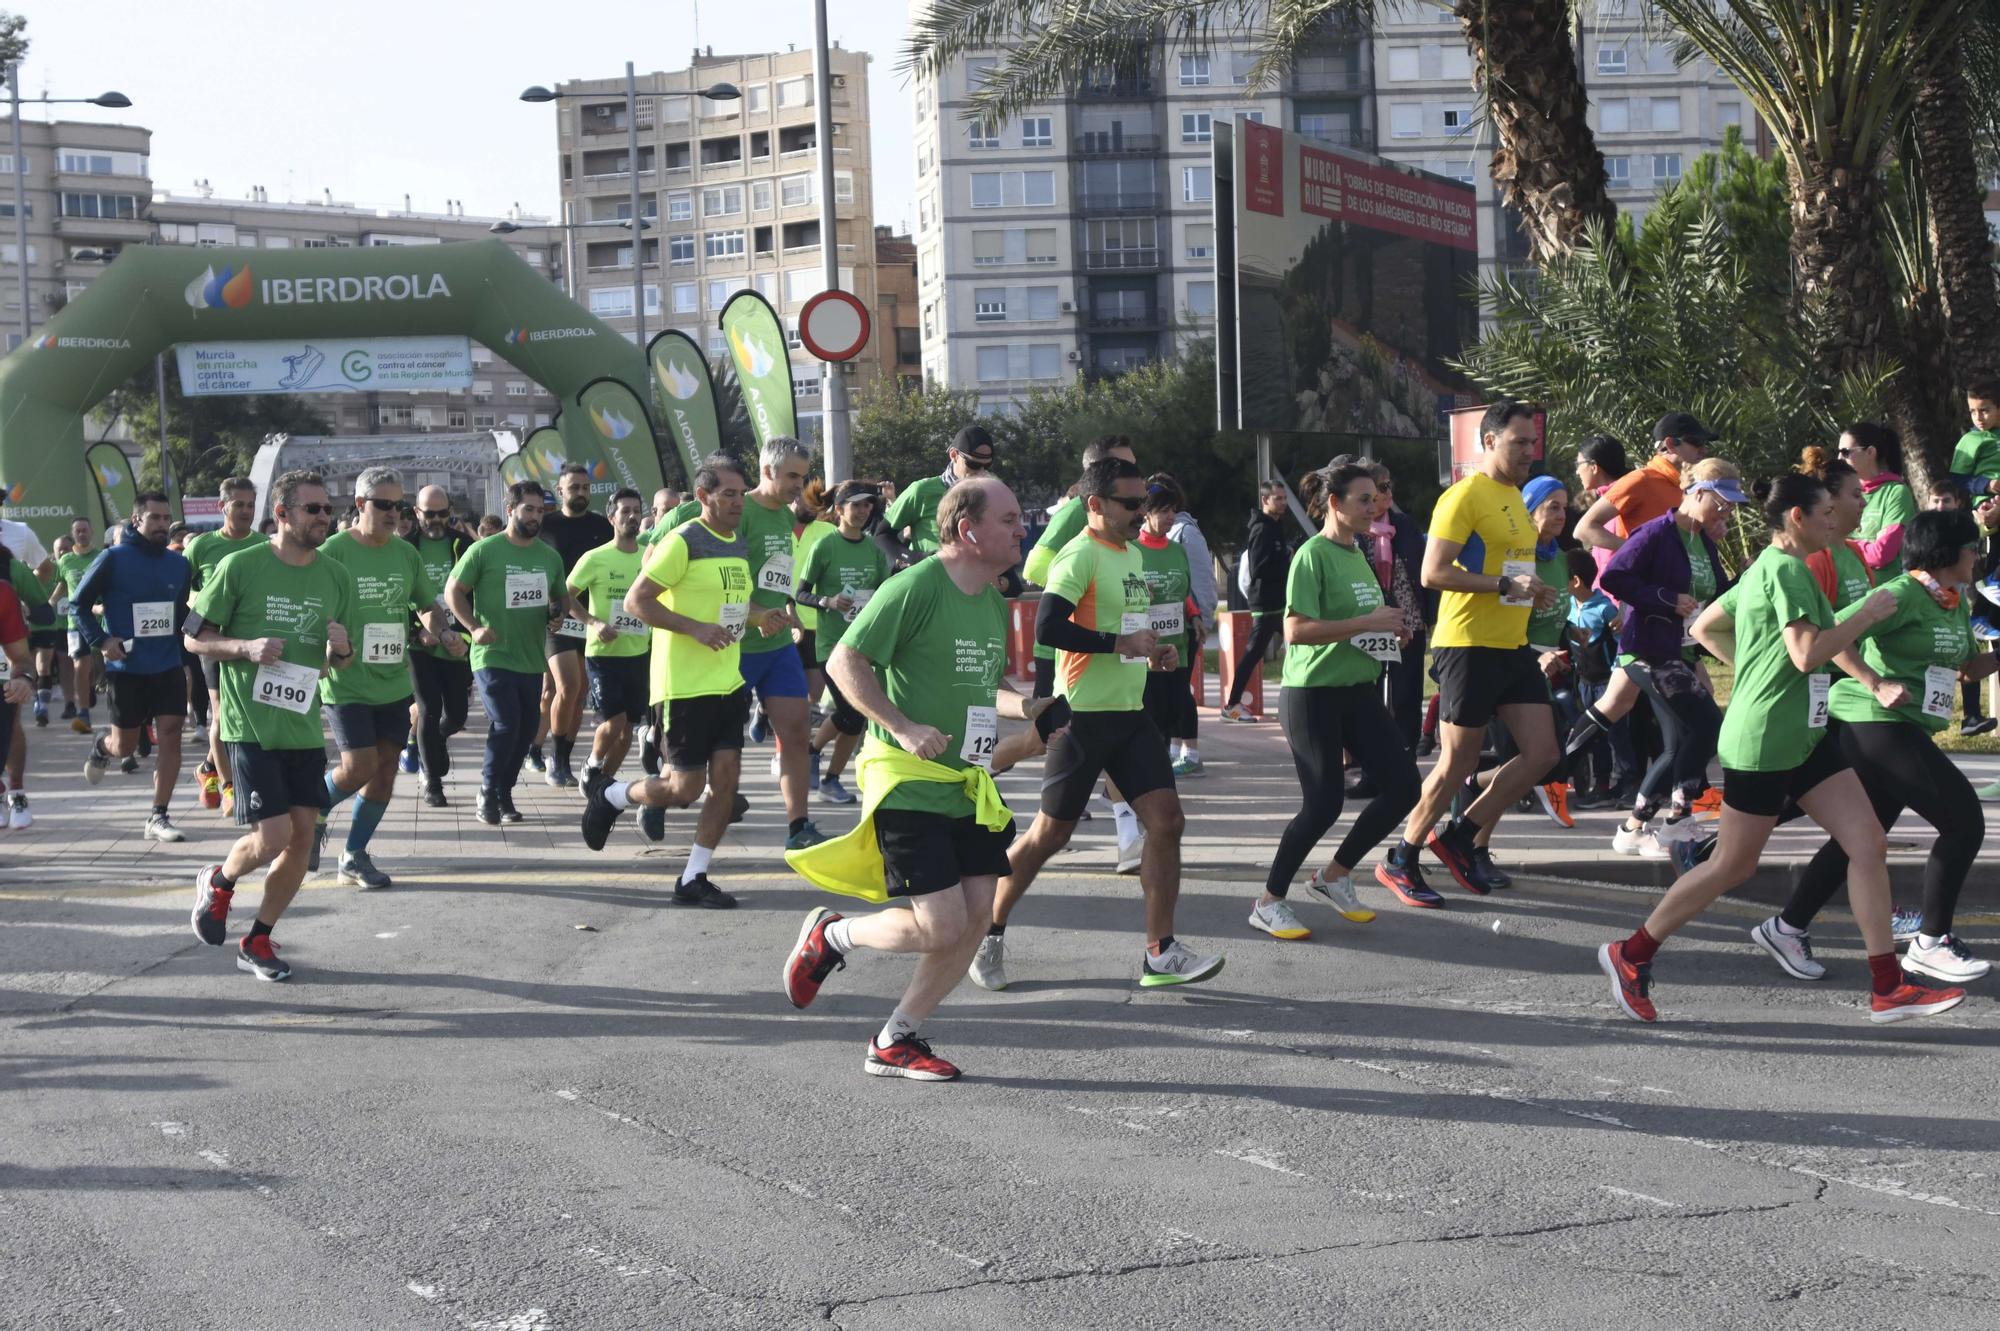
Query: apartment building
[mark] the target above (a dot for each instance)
(895, 334)
(87, 189)
(730, 189)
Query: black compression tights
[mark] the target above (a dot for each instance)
(1319, 723)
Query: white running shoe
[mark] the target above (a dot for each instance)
(159, 827)
(1684, 828)
(1276, 919)
(1947, 959)
(18, 816)
(1130, 853)
(831, 791)
(1652, 848)
(1628, 840)
(989, 964)
(1792, 952)
(1339, 894)
(1178, 964)
(1905, 925)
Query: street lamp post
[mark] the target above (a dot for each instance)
(569, 230)
(114, 100)
(833, 376)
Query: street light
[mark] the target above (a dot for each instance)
(720, 92)
(113, 100)
(506, 228)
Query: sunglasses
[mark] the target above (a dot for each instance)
(975, 464)
(312, 510)
(1131, 505)
(384, 505)
(439, 513)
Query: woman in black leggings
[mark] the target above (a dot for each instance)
(1897, 696)
(1339, 631)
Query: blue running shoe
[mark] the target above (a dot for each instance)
(408, 762)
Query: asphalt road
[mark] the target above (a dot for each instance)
(519, 1090)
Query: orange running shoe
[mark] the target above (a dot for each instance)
(1709, 803)
(1554, 799)
(210, 783)
(228, 799)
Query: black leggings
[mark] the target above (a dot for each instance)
(1901, 767)
(444, 693)
(1269, 624)
(1690, 723)
(1319, 723)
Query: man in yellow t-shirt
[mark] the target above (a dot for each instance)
(1481, 558)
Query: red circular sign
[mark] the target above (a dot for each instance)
(834, 325)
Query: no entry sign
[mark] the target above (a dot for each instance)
(834, 325)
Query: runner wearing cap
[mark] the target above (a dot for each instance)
(916, 508)
(840, 576)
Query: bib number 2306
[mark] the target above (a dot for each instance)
(292, 688)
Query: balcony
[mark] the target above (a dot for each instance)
(1117, 145)
(1105, 261)
(1136, 88)
(1119, 202)
(1110, 322)
(1344, 137)
(134, 230)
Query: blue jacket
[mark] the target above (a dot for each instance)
(1649, 573)
(134, 572)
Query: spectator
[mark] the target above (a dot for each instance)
(1261, 576)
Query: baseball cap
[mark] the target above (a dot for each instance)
(974, 441)
(1680, 425)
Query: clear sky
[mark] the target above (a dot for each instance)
(374, 100)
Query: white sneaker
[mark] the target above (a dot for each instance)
(1179, 964)
(1792, 952)
(1276, 919)
(1339, 894)
(1628, 840)
(1652, 848)
(18, 816)
(989, 964)
(161, 828)
(1684, 828)
(1946, 959)
(1130, 853)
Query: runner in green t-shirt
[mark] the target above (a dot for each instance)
(367, 701)
(238, 497)
(1176, 616)
(838, 576)
(442, 681)
(70, 569)
(1096, 614)
(1064, 525)
(617, 643)
(694, 591)
(275, 617)
(509, 589)
(915, 508)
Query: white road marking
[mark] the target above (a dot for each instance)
(1636, 1196)
(1262, 1162)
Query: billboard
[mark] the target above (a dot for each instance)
(325, 365)
(1350, 285)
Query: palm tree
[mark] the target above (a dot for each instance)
(1941, 129)
(1546, 163)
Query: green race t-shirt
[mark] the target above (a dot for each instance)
(769, 549)
(254, 594)
(685, 511)
(940, 655)
(1851, 579)
(1165, 567)
(1701, 581)
(1977, 454)
(437, 558)
(389, 583)
(1070, 518)
(1546, 627)
(1767, 725)
(1920, 635)
(1888, 505)
(70, 569)
(706, 579)
(1107, 585)
(513, 587)
(806, 538)
(207, 549)
(836, 566)
(916, 507)
(1329, 580)
(603, 576)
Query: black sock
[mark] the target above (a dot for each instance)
(996, 931)
(1159, 948)
(1404, 850)
(564, 744)
(223, 881)
(797, 823)
(159, 810)
(259, 929)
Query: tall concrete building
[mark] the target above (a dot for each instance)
(737, 182)
(87, 188)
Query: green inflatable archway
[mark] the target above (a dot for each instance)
(153, 297)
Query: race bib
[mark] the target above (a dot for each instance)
(1687, 637)
(1816, 703)
(1133, 621)
(382, 644)
(1165, 620)
(776, 575)
(1518, 568)
(292, 688)
(61, 604)
(152, 619)
(570, 627)
(982, 736)
(628, 623)
(860, 596)
(1381, 646)
(1940, 687)
(735, 618)
(527, 589)
(6, 670)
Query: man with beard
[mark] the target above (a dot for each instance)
(443, 680)
(573, 530)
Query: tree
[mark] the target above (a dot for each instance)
(208, 437)
(1941, 138)
(13, 46)
(902, 436)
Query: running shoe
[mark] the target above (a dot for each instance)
(598, 813)
(989, 963)
(698, 891)
(489, 808)
(508, 813)
(1687, 854)
(738, 807)
(555, 776)
(1177, 964)
(1407, 882)
(653, 823)
(1652, 848)
(1792, 952)
(19, 816)
(259, 957)
(41, 711)
(1591, 799)
(94, 765)
(69, 709)
(1496, 878)
(1983, 629)
(1131, 853)
(908, 1057)
(1554, 799)
(408, 760)
(209, 782)
(434, 795)
(1947, 959)
(1977, 725)
(1683, 826)
(1908, 1000)
(1905, 925)
(807, 836)
(159, 827)
(1709, 803)
(812, 959)
(1631, 985)
(536, 759)
(228, 799)
(1339, 894)
(319, 844)
(80, 724)
(1188, 768)
(1276, 919)
(1628, 840)
(1454, 850)
(833, 792)
(760, 727)
(1990, 792)
(211, 906)
(128, 764)
(1237, 713)
(355, 867)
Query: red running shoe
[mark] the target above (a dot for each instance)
(259, 956)
(813, 958)
(1455, 852)
(909, 1057)
(210, 783)
(211, 907)
(1908, 1000)
(1630, 984)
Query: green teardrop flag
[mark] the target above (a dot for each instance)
(111, 472)
(514, 468)
(623, 432)
(757, 346)
(685, 395)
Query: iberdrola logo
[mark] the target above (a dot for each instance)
(16, 492)
(44, 342)
(679, 383)
(751, 351)
(515, 336)
(226, 290)
(610, 424)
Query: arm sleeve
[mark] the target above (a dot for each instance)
(1881, 552)
(89, 595)
(1054, 628)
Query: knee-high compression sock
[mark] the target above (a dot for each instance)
(364, 816)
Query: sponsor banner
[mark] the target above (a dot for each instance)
(757, 347)
(527, 464)
(1347, 190)
(111, 473)
(204, 509)
(326, 365)
(685, 395)
(1263, 168)
(617, 444)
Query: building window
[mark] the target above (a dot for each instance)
(1618, 171)
(1039, 245)
(723, 244)
(722, 201)
(99, 162)
(766, 285)
(1201, 240)
(989, 248)
(518, 388)
(1240, 65)
(795, 92)
(757, 97)
(1201, 299)
(1614, 116)
(606, 303)
(1403, 64)
(1013, 189)
(1457, 120)
(1197, 127)
(992, 365)
(7, 164)
(719, 294)
(1406, 120)
(680, 207)
(124, 206)
(760, 196)
(1197, 184)
(718, 342)
(843, 187)
(1666, 114)
(1726, 114)
(1457, 63)
(803, 284)
(684, 298)
(1666, 168)
(983, 136)
(454, 419)
(989, 304)
(1194, 71)
(673, 110)
(796, 191)
(680, 249)
(1043, 304)
(1611, 61)
(1037, 132)
(1044, 360)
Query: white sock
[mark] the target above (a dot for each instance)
(1128, 822)
(840, 934)
(1787, 929)
(1188, 752)
(1929, 940)
(616, 794)
(698, 858)
(900, 1025)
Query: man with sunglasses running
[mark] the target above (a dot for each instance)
(443, 680)
(238, 532)
(915, 510)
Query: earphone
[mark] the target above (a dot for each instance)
(972, 538)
